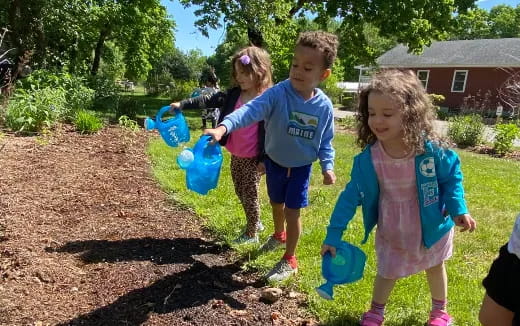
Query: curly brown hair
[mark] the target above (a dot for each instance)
(417, 110)
(259, 65)
(326, 43)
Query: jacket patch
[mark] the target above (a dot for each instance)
(427, 167)
(430, 192)
(302, 125)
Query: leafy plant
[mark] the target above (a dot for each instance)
(87, 123)
(436, 99)
(32, 110)
(506, 133)
(348, 122)
(126, 123)
(77, 95)
(182, 89)
(466, 130)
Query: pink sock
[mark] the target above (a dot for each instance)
(378, 308)
(439, 304)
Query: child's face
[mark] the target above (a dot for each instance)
(307, 70)
(385, 117)
(245, 79)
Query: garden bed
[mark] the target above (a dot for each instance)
(88, 238)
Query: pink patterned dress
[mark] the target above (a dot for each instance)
(399, 247)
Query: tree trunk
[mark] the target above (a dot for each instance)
(98, 53)
(14, 17)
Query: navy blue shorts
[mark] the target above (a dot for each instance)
(502, 283)
(288, 185)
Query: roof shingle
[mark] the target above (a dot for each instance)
(463, 53)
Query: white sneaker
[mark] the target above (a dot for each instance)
(244, 238)
(281, 271)
(271, 244)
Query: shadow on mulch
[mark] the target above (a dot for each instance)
(173, 292)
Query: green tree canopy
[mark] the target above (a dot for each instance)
(75, 33)
(412, 22)
(501, 21)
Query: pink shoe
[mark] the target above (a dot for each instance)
(439, 318)
(371, 319)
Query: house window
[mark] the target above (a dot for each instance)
(423, 76)
(459, 81)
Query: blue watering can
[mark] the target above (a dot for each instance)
(202, 165)
(174, 130)
(346, 267)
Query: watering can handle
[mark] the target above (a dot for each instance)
(162, 111)
(201, 143)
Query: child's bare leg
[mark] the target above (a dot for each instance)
(294, 227)
(278, 216)
(493, 314)
(382, 289)
(438, 282)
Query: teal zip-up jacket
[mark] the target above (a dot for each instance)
(439, 186)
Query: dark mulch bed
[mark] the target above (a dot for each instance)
(87, 238)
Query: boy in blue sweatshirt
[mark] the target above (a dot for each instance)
(299, 127)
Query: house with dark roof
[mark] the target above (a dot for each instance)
(457, 69)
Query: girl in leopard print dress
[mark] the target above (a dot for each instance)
(252, 75)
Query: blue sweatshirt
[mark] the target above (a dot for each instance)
(297, 132)
(439, 186)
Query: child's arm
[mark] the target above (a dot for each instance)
(451, 190)
(326, 153)
(215, 100)
(253, 111)
(346, 205)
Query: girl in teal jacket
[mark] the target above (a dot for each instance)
(409, 185)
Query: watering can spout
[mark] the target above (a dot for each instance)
(326, 290)
(149, 124)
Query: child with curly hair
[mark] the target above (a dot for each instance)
(409, 185)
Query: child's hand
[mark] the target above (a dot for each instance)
(260, 168)
(331, 249)
(173, 106)
(216, 133)
(466, 222)
(329, 178)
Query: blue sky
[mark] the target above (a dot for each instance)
(188, 37)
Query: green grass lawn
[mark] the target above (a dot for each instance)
(492, 193)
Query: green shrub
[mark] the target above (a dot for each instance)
(87, 123)
(126, 123)
(32, 110)
(506, 133)
(106, 95)
(436, 99)
(348, 122)
(466, 130)
(182, 89)
(349, 101)
(77, 95)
